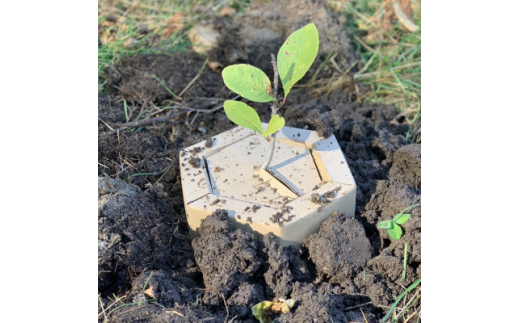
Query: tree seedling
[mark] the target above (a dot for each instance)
(294, 59)
(394, 226)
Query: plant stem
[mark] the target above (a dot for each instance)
(274, 110)
(403, 277)
(410, 207)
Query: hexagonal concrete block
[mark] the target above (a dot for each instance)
(308, 179)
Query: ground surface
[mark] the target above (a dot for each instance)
(147, 260)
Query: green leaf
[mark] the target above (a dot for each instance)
(395, 232)
(248, 81)
(401, 218)
(296, 55)
(258, 312)
(385, 225)
(243, 115)
(276, 123)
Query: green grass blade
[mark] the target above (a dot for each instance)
(165, 86)
(399, 298)
(147, 281)
(148, 174)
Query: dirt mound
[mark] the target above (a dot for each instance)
(340, 249)
(231, 262)
(253, 36)
(286, 266)
(407, 165)
(135, 233)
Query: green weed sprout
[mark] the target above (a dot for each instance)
(394, 226)
(294, 59)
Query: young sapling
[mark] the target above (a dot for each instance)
(394, 226)
(294, 59)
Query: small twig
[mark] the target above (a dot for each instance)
(410, 317)
(410, 301)
(130, 310)
(357, 306)
(189, 124)
(102, 307)
(195, 78)
(175, 312)
(106, 124)
(115, 302)
(333, 61)
(364, 317)
(227, 310)
(386, 306)
(201, 107)
(99, 164)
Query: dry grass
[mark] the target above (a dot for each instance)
(391, 57)
(390, 60)
(130, 27)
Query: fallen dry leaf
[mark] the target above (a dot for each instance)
(388, 14)
(201, 9)
(203, 38)
(133, 6)
(263, 309)
(130, 43)
(416, 7)
(215, 66)
(175, 23)
(275, 308)
(404, 13)
(149, 292)
(107, 37)
(278, 306)
(227, 11)
(338, 5)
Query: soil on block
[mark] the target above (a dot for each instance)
(149, 262)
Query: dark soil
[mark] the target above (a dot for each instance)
(146, 258)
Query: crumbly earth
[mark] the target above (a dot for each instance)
(146, 258)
